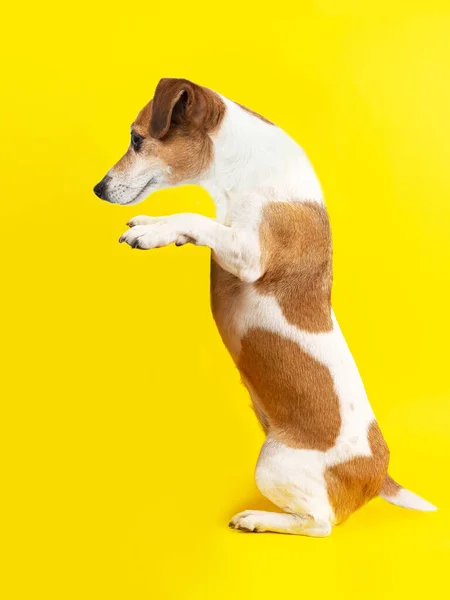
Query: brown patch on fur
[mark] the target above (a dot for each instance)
(255, 114)
(353, 483)
(176, 126)
(295, 392)
(297, 262)
(181, 102)
(126, 162)
(390, 487)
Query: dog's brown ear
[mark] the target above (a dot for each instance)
(179, 101)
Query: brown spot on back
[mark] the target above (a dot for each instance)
(353, 483)
(255, 114)
(297, 262)
(294, 391)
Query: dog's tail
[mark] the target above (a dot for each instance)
(396, 494)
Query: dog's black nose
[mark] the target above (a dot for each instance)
(100, 188)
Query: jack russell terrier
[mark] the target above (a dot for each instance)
(271, 273)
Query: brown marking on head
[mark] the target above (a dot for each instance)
(353, 483)
(179, 102)
(295, 242)
(295, 392)
(176, 125)
(175, 146)
(188, 151)
(255, 114)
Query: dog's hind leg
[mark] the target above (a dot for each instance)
(261, 520)
(293, 480)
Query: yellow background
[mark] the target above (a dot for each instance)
(128, 439)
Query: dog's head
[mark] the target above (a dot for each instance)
(170, 143)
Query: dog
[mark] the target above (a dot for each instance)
(271, 274)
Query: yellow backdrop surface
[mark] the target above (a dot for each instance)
(128, 438)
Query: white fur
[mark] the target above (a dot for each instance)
(138, 181)
(408, 499)
(255, 163)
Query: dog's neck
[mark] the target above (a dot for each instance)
(255, 159)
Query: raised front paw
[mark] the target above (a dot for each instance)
(146, 237)
(159, 233)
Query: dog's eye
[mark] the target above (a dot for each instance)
(136, 141)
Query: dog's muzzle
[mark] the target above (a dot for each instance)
(100, 188)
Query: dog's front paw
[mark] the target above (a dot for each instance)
(247, 521)
(146, 237)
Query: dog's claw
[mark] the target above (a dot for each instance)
(242, 528)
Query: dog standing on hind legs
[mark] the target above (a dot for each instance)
(271, 274)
